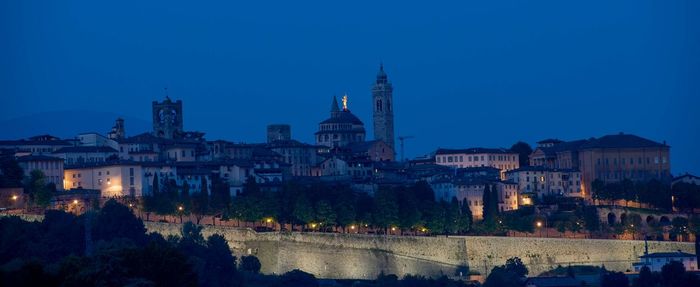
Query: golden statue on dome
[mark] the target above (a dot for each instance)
(345, 102)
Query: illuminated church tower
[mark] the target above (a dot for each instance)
(383, 108)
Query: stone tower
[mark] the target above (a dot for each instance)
(167, 119)
(117, 131)
(383, 108)
(279, 132)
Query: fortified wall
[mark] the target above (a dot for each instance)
(328, 255)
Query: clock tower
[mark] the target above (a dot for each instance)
(167, 119)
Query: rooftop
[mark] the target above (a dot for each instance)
(86, 149)
(620, 140)
(476, 150)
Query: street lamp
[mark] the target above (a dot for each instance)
(75, 201)
(15, 197)
(180, 209)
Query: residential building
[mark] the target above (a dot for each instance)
(37, 145)
(543, 181)
(656, 261)
(502, 159)
(51, 167)
(112, 178)
(613, 158)
(302, 157)
(86, 154)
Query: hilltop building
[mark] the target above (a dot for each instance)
(342, 128)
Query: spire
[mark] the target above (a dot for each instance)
(334, 106)
(381, 75)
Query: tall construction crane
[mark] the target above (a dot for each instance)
(401, 140)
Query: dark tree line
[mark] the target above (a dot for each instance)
(320, 206)
(56, 252)
(652, 192)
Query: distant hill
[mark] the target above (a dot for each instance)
(68, 124)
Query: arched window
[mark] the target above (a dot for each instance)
(379, 105)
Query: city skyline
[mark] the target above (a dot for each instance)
(450, 69)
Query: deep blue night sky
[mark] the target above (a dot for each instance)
(464, 74)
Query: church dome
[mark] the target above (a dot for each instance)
(343, 117)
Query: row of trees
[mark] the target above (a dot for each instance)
(406, 207)
(652, 192)
(115, 250)
(111, 248)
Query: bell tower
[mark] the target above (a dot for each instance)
(167, 119)
(383, 110)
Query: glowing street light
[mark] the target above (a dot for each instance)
(393, 228)
(539, 224)
(75, 201)
(352, 227)
(15, 197)
(180, 208)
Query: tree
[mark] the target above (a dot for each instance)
(11, 174)
(117, 221)
(409, 212)
(303, 211)
(35, 186)
(435, 217)
(599, 191)
(465, 217)
(679, 226)
(490, 207)
(590, 218)
(500, 277)
(200, 202)
(220, 195)
(298, 278)
(324, 213)
(614, 279)
(452, 215)
(386, 209)
(220, 263)
(646, 278)
(250, 264)
(515, 265)
(345, 213)
(523, 150)
(672, 274)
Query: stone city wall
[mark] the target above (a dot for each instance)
(328, 255)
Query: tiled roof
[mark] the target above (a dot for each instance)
(38, 158)
(85, 149)
(540, 168)
(475, 150)
(555, 141)
(563, 146)
(620, 141)
(342, 118)
(34, 142)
